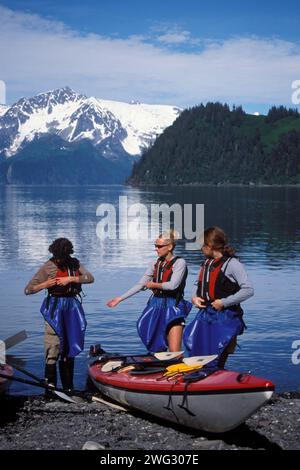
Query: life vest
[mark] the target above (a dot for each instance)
(163, 271)
(213, 283)
(70, 290)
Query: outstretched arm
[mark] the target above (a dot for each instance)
(140, 285)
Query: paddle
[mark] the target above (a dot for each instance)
(158, 363)
(58, 391)
(97, 351)
(153, 370)
(24, 371)
(14, 360)
(199, 360)
(15, 339)
(160, 359)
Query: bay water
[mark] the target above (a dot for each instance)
(263, 224)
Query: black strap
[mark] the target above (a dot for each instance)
(229, 259)
(159, 271)
(53, 307)
(180, 292)
(204, 289)
(170, 263)
(184, 404)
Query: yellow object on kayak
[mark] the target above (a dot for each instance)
(180, 368)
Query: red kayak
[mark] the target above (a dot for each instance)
(216, 402)
(4, 383)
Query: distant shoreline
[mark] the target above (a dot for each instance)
(218, 185)
(183, 185)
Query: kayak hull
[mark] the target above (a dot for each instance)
(217, 403)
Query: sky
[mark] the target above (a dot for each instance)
(163, 52)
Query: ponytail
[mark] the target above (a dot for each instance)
(217, 239)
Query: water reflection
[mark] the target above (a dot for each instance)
(262, 222)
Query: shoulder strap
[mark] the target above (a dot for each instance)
(172, 262)
(228, 261)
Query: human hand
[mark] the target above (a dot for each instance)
(63, 281)
(114, 302)
(151, 285)
(217, 304)
(49, 283)
(198, 302)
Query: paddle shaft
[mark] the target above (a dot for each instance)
(26, 372)
(131, 361)
(40, 385)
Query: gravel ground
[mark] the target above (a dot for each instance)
(37, 423)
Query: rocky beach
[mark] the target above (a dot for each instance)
(37, 423)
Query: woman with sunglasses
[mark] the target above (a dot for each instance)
(222, 286)
(162, 321)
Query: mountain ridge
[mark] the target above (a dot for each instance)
(119, 132)
(74, 116)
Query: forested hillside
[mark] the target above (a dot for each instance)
(216, 145)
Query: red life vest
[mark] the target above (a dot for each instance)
(70, 290)
(212, 283)
(163, 271)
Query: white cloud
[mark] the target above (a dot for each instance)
(179, 37)
(172, 34)
(38, 54)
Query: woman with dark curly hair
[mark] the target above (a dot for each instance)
(65, 324)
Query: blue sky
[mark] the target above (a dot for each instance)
(215, 19)
(169, 52)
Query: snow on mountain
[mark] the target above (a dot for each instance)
(143, 122)
(3, 109)
(73, 117)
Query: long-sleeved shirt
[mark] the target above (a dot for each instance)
(179, 268)
(236, 272)
(49, 271)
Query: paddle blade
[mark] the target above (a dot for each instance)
(15, 339)
(164, 356)
(199, 360)
(111, 365)
(15, 361)
(64, 397)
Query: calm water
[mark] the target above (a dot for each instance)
(264, 226)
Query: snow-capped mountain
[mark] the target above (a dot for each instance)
(116, 128)
(142, 122)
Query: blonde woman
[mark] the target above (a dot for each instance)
(161, 324)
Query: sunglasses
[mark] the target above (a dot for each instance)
(160, 246)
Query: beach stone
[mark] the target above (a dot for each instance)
(91, 445)
(34, 423)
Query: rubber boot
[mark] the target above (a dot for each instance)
(66, 370)
(50, 378)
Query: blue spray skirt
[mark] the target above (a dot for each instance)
(66, 316)
(158, 315)
(211, 331)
